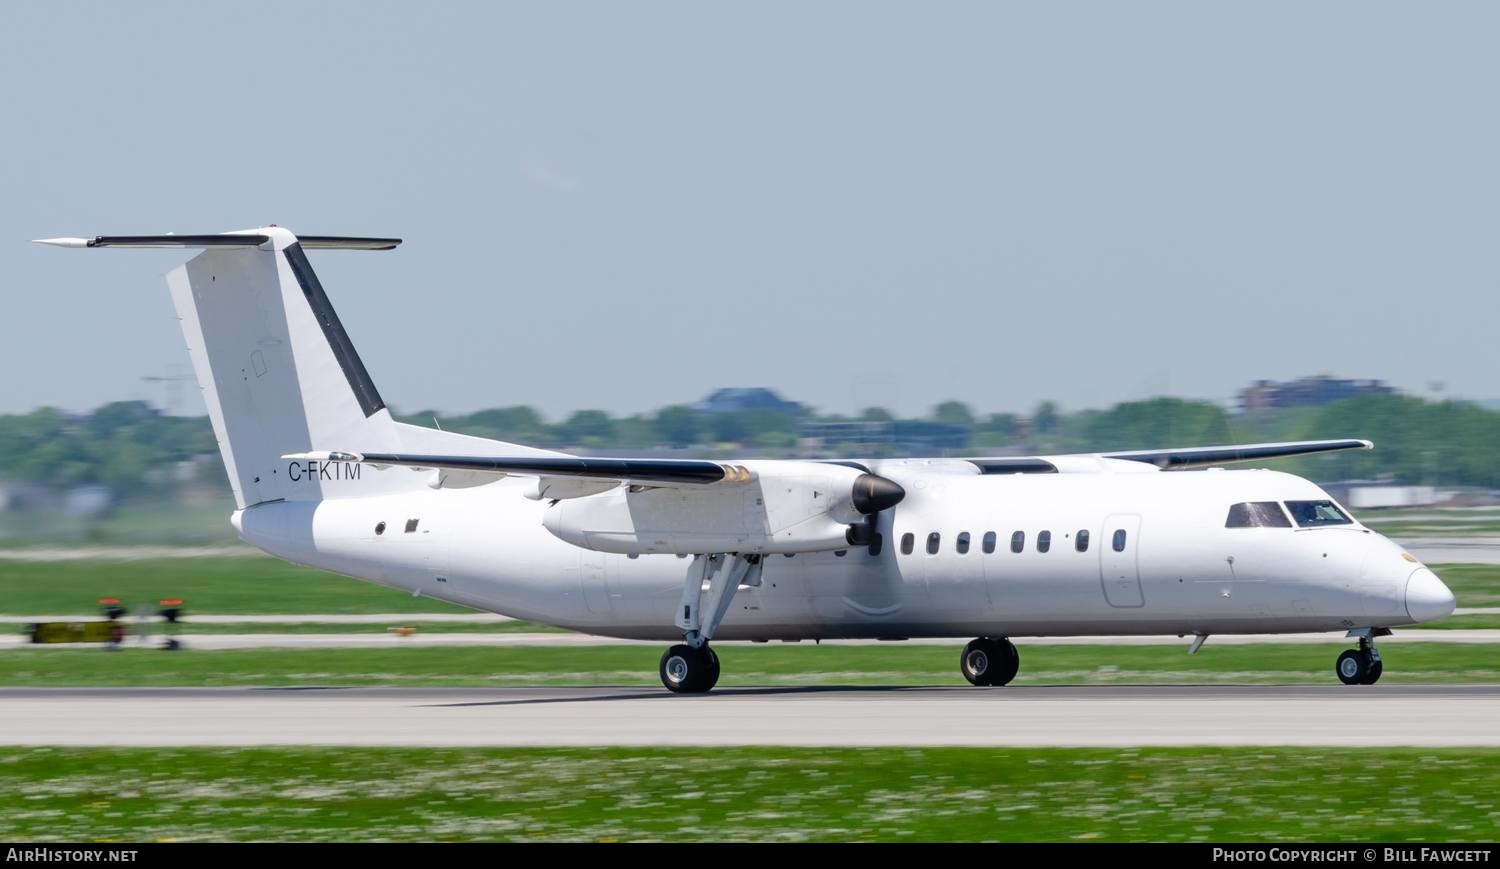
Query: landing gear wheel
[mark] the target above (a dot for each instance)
(1009, 663)
(1376, 667)
(713, 673)
(686, 670)
(980, 661)
(1354, 667)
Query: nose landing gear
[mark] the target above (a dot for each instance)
(1360, 666)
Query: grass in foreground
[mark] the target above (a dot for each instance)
(744, 665)
(750, 794)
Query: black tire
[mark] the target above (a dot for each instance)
(1353, 667)
(980, 660)
(1010, 662)
(1376, 668)
(713, 670)
(686, 670)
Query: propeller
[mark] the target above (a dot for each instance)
(872, 494)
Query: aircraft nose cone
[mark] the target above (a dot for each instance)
(1427, 599)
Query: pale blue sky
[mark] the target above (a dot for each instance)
(623, 206)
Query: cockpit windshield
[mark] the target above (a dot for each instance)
(1257, 514)
(1315, 514)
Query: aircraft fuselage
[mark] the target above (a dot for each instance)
(1126, 553)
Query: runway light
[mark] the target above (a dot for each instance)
(171, 611)
(111, 608)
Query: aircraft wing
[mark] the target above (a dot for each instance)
(1184, 458)
(567, 477)
(645, 472)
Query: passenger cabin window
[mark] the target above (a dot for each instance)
(1018, 541)
(963, 543)
(1119, 541)
(1044, 541)
(934, 540)
(1315, 514)
(907, 541)
(989, 542)
(1257, 514)
(1081, 542)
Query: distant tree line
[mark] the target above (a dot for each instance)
(132, 449)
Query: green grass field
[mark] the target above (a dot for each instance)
(744, 665)
(155, 522)
(1474, 585)
(749, 794)
(1477, 622)
(251, 585)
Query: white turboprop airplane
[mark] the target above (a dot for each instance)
(688, 551)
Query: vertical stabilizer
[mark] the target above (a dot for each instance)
(278, 372)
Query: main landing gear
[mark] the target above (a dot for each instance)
(1361, 666)
(691, 667)
(990, 661)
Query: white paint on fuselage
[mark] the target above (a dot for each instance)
(486, 547)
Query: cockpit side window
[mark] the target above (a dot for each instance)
(1257, 514)
(1315, 514)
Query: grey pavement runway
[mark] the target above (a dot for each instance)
(1429, 716)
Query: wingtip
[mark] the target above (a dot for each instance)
(62, 242)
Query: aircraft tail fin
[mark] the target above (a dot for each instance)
(279, 373)
(276, 367)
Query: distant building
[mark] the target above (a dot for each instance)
(1305, 392)
(88, 500)
(1366, 495)
(739, 399)
(888, 437)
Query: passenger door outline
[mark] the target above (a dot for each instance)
(1119, 572)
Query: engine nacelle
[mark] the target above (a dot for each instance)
(782, 507)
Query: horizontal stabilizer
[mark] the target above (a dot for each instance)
(228, 239)
(347, 242)
(165, 241)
